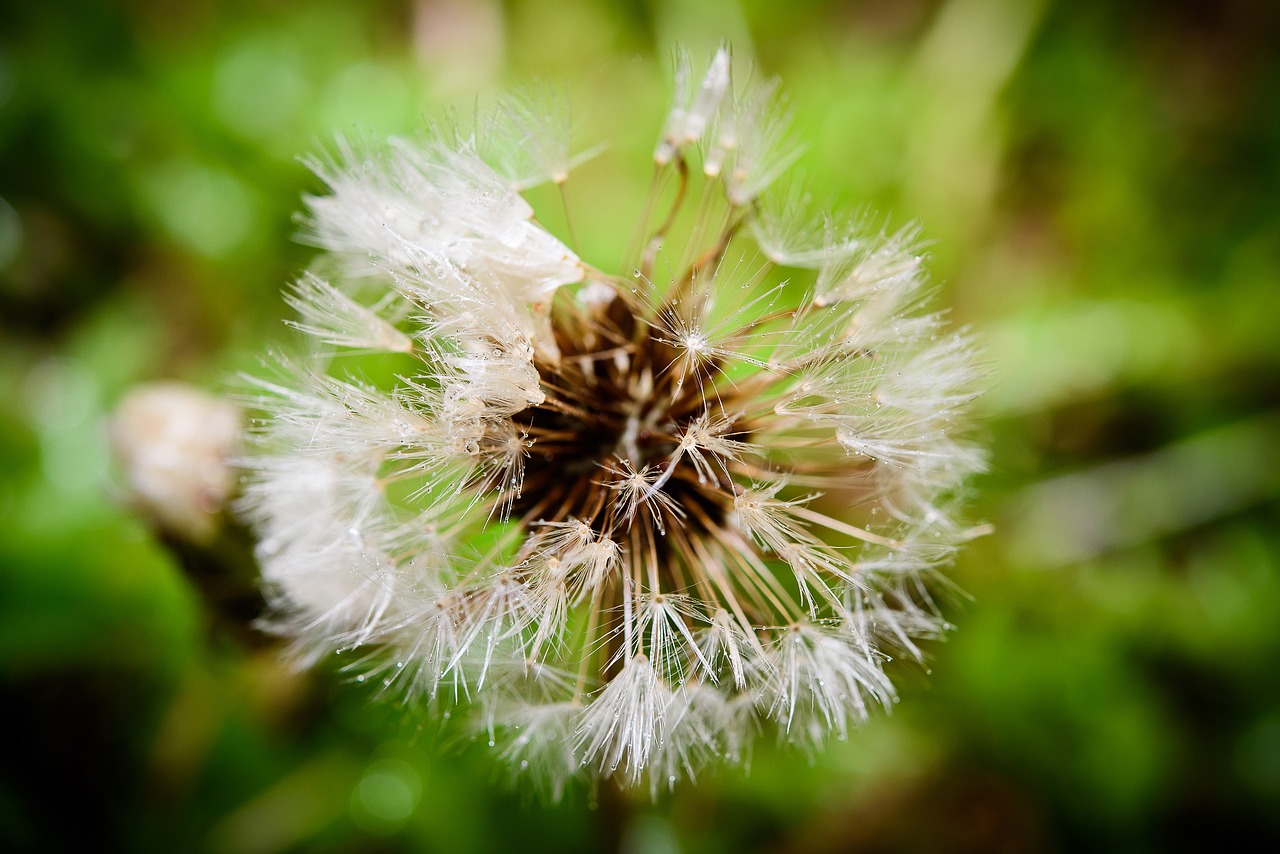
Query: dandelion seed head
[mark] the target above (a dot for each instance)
(632, 520)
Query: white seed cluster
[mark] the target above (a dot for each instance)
(628, 521)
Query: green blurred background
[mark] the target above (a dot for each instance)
(1102, 183)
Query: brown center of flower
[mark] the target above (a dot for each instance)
(617, 407)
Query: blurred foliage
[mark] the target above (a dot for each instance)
(1101, 180)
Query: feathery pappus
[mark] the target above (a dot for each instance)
(629, 521)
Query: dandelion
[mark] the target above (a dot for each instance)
(629, 520)
(174, 445)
